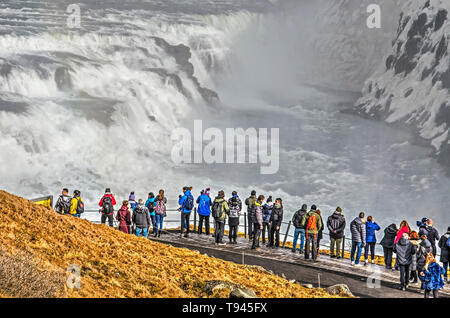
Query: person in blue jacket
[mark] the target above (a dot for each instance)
(150, 204)
(371, 240)
(186, 202)
(204, 211)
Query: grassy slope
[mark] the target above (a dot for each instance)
(114, 264)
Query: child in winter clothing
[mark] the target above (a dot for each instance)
(415, 241)
(124, 218)
(431, 277)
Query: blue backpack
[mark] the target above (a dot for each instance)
(189, 203)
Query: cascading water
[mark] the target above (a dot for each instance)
(95, 107)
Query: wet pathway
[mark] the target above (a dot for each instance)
(366, 281)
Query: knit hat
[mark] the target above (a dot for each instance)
(338, 209)
(253, 192)
(108, 190)
(313, 207)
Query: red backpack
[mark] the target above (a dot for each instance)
(312, 224)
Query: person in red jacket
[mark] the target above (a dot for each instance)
(107, 203)
(404, 228)
(124, 217)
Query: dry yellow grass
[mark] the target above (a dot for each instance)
(114, 264)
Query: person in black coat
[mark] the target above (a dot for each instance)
(431, 233)
(445, 251)
(405, 251)
(275, 223)
(388, 244)
(336, 225)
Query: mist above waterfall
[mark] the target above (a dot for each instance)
(95, 107)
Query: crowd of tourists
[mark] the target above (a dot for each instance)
(415, 250)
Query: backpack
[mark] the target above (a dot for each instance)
(447, 243)
(159, 208)
(107, 205)
(217, 210)
(189, 203)
(151, 206)
(80, 206)
(312, 224)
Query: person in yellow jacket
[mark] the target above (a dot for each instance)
(76, 205)
(220, 210)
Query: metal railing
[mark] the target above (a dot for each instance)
(243, 228)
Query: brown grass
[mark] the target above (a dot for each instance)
(114, 264)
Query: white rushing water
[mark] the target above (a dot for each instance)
(95, 107)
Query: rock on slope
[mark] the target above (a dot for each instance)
(412, 88)
(43, 243)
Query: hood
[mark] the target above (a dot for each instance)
(188, 192)
(403, 241)
(416, 242)
(337, 215)
(218, 199)
(358, 220)
(391, 229)
(304, 208)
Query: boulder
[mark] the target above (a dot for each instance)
(339, 289)
(217, 287)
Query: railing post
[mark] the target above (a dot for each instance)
(195, 220)
(343, 247)
(287, 232)
(245, 225)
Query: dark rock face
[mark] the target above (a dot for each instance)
(182, 55)
(412, 88)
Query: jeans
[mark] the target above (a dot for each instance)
(311, 246)
(256, 234)
(370, 246)
(185, 218)
(298, 232)
(404, 275)
(388, 256)
(266, 226)
(203, 219)
(356, 248)
(144, 231)
(110, 218)
(274, 236)
(219, 229)
(153, 217)
(159, 221)
(338, 243)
